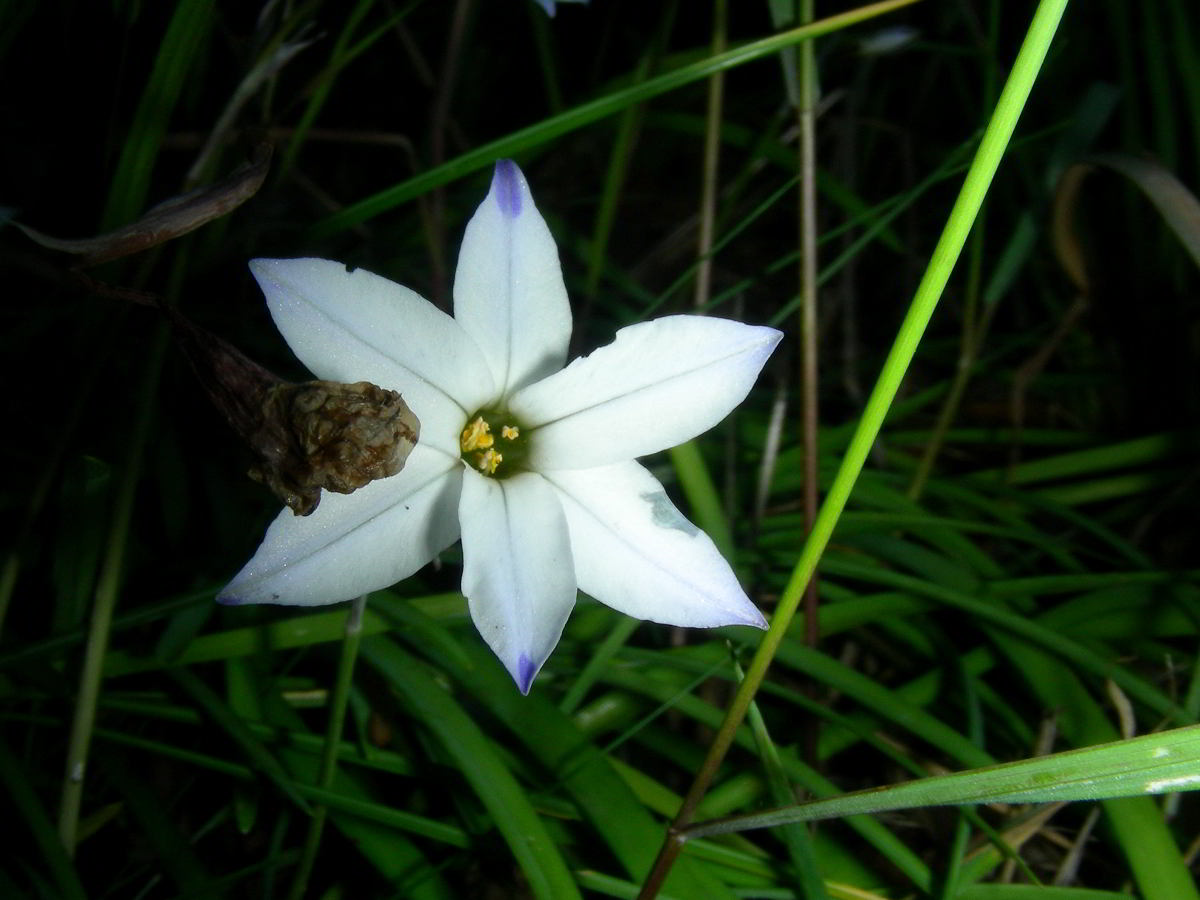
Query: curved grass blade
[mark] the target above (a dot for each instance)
(508, 804)
(181, 46)
(628, 831)
(585, 114)
(1151, 764)
(33, 818)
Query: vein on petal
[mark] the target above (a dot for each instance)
(616, 398)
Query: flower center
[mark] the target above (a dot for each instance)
(493, 443)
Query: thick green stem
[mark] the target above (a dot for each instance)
(978, 179)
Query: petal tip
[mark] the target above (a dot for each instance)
(758, 620)
(230, 600)
(526, 671)
(262, 266)
(507, 184)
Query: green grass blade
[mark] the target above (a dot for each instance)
(585, 114)
(34, 819)
(260, 757)
(161, 832)
(1151, 764)
(181, 45)
(508, 804)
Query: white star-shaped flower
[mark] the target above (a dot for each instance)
(530, 463)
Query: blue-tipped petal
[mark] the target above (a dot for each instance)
(507, 182)
(518, 576)
(548, 5)
(509, 294)
(525, 672)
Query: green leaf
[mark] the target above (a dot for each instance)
(510, 807)
(1152, 764)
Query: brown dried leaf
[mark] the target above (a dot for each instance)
(168, 220)
(1178, 206)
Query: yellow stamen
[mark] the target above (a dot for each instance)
(489, 461)
(477, 436)
(510, 432)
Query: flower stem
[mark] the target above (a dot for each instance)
(966, 207)
(333, 739)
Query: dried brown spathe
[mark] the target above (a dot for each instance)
(307, 436)
(324, 434)
(304, 437)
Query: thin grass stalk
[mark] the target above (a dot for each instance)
(795, 837)
(710, 165)
(1159, 82)
(547, 62)
(807, 150)
(485, 155)
(8, 581)
(966, 207)
(107, 589)
(181, 42)
(968, 352)
(702, 291)
(438, 123)
(51, 466)
(340, 55)
(36, 825)
(628, 127)
(333, 739)
(1184, 47)
(975, 324)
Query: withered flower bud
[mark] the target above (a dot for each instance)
(324, 434)
(308, 436)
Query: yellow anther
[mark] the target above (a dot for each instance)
(510, 432)
(489, 461)
(477, 436)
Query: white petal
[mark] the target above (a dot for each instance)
(656, 385)
(517, 573)
(358, 326)
(635, 552)
(355, 543)
(508, 289)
